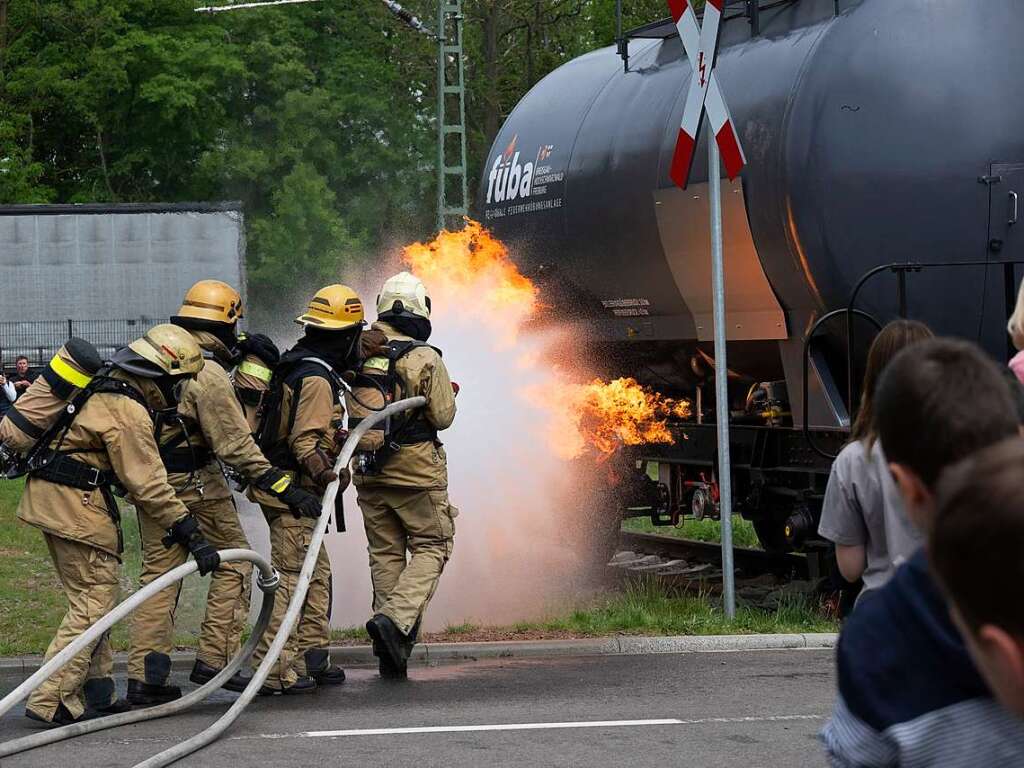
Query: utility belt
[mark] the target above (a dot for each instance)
(182, 461)
(62, 469)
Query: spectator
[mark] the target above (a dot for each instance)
(1015, 327)
(22, 377)
(1017, 393)
(909, 693)
(863, 513)
(7, 394)
(979, 565)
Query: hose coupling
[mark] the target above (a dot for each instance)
(270, 583)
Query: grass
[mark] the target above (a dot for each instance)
(644, 607)
(743, 534)
(31, 599)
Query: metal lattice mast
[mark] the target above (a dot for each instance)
(451, 120)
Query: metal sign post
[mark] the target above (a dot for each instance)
(721, 381)
(705, 96)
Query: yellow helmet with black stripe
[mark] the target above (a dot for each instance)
(334, 308)
(214, 301)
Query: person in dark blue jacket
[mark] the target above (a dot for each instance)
(909, 693)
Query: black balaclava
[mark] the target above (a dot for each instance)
(414, 326)
(339, 348)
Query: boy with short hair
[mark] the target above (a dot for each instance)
(976, 547)
(909, 693)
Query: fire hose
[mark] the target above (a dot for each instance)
(267, 581)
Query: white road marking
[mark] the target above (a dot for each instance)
(529, 727)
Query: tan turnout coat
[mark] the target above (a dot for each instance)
(423, 466)
(216, 423)
(111, 431)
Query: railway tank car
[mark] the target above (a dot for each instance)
(876, 132)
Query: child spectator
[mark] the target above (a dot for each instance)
(909, 693)
(863, 513)
(976, 548)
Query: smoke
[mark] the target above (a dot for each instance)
(521, 543)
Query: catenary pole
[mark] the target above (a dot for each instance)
(721, 375)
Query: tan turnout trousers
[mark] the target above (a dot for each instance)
(400, 519)
(89, 578)
(289, 542)
(227, 603)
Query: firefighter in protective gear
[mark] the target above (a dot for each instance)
(107, 441)
(297, 434)
(209, 427)
(401, 475)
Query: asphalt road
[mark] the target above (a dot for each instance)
(748, 709)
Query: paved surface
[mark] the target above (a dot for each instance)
(719, 710)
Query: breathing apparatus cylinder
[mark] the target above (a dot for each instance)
(50, 395)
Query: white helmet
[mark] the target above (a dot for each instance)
(404, 293)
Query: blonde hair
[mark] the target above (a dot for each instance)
(1016, 325)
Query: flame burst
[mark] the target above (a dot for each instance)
(470, 272)
(605, 416)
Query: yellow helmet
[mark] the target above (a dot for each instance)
(404, 292)
(212, 300)
(172, 350)
(334, 308)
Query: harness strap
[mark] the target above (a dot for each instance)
(62, 469)
(185, 460)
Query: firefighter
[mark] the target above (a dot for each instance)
(108, 440)
(297, 433)
(402, 485)
(210, 428)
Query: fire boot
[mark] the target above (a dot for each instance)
(100, 695)
(154, 690)
(203, 673)
(390, 644)
(385, 666)
(62, 716)
(319, 667)
(302, 685)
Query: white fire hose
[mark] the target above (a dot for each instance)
(267, 581)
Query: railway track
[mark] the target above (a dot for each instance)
(766, 580)
(671, 555)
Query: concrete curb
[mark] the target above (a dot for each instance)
(20, 667)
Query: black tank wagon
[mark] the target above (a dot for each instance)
(876, 132)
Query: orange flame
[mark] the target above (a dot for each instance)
(605, 416)
(471, 270)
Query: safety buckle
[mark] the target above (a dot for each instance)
(97, 478)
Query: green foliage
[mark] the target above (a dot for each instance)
(319, 118)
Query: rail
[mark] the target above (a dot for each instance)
(268, 583)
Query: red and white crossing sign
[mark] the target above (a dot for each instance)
(702, 48)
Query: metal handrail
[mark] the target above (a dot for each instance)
(807, 357)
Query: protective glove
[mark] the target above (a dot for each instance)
(301, 502)
(186, 532)
(261, 346)
(320, 468)
(372, 343)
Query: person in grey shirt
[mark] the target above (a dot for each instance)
(863, 513)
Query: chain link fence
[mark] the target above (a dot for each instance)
(39, 340)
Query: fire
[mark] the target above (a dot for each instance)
(472, 271)
(471, 275)
(605, 416)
